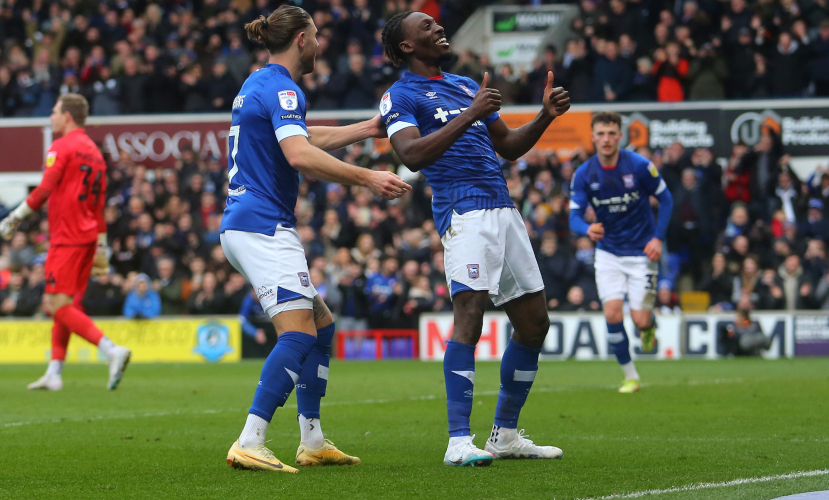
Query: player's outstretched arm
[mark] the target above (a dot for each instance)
(36, 199)
(334, 138)
(417, 152)
(316, 163)
(512, 144)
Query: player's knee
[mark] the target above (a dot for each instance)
(643, 321)
(541, 325)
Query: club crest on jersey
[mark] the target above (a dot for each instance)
(628, 180)
(288, 100)
(432, 95)
(466, 89)
(50, 158)
(385, 104)
(473, 270)
(303, 279)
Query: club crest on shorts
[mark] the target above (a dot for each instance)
(628, 180)
(466, 89)
(288, 100)
(304, 280)
(473, 270)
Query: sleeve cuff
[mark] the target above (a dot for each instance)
(661, 187)
(398, 126)
(286, 131)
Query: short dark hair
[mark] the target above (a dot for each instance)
(77, 107)
(393, 36)
(279, 29)
(606, 117)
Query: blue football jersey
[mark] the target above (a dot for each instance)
(263, 186)
(620, 196)
(468, 177)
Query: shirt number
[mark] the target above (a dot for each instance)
(234, 133)
(94, 188)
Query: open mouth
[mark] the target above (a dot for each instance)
(442, 42)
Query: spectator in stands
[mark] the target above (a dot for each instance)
(558, 270)
(707, 75)
(169, 287)
(815, 225)
(666, 300)
(643, 86)
(253, 318)
(22, 297)
(381, 294)
(611, 74)
(207, 298)
(786, 63)
(104, 296)
(574, 302)
(670, 70)
(142, 302)
(744, 337)
(797, 287)
(690, 223)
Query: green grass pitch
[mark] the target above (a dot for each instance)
(165, 432)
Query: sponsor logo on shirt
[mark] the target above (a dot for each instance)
(304, 280)
(237, 191)
(264, 293)
(292, 116)
(50, 158)
(385, 104)
(628, 179)
(617, 204)
(466, 89)
(442, 116)
(473, 270)
(288, 100)
(391, 117)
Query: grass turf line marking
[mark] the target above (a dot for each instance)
(427, 397)
(707, 486)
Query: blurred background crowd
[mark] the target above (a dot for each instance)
(751, 231)
(747, 230)
(135, 56)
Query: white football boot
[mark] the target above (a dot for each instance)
(462, 452)
(506, 443)
(47, 382)
(118, 362)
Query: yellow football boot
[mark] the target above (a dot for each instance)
(327, 454)
(629, 386)
(256, 458)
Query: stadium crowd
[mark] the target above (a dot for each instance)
(137, 57)
(749, 229)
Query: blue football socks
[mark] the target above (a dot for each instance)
(459, 372)
(519, 366)
(310, 388)
(617, 342)
(280, 372)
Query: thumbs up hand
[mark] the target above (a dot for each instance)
(556, 100)
(486, 101)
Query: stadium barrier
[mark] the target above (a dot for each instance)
(583, 336)
(174, 339)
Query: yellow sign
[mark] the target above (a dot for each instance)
(180, 340)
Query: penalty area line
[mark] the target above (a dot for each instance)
(707, 486)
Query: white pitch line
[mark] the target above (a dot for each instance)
(427, 397)
(707, 486)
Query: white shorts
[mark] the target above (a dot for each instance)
(490, 250)
(635, 276)
(274, 265)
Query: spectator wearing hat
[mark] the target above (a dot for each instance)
(815, 225)
(142, 302)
